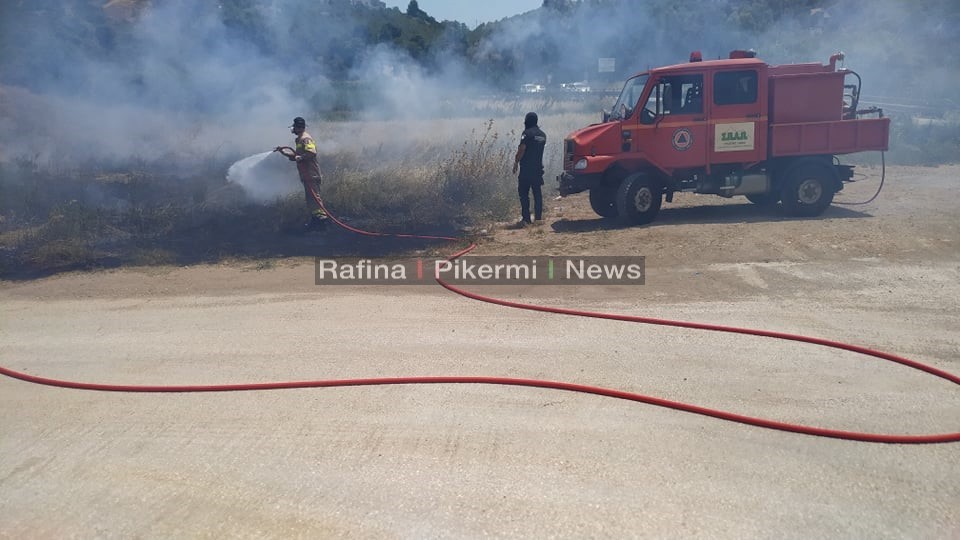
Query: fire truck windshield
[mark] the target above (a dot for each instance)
(629, 96)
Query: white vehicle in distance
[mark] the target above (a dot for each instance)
(531, 88)
(575, 87)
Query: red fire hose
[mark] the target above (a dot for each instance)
(723, 415)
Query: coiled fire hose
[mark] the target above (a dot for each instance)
(555, 385)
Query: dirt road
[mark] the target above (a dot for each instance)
(476, 461)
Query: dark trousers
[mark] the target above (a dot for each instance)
(524, 187)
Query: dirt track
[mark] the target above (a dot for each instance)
(472, 461)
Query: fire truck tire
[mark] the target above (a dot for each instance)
(808, 189)
(603, 200)
(764, 199)
(638, 200)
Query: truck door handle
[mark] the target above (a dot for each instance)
(700, 119)
(755, 115)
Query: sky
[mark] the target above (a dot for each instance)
(470, 12)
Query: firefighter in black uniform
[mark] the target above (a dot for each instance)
(529, 160)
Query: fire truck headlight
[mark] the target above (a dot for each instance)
(581, 165)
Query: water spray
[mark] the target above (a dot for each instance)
(264, 180)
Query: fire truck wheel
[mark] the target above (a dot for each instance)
(808, 190)
(603, 200)
(764, 199)
(638, 200)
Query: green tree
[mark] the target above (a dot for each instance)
(413, 10)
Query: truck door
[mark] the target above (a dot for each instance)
(673, 127)
(738, 118)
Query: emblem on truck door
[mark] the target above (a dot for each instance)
(682, 139)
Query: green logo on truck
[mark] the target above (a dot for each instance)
(734, 136)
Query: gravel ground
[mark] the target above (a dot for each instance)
(477, 461)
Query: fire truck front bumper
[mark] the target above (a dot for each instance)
(571, 183)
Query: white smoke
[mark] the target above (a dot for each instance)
(188, 88)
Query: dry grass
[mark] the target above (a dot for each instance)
(412, 144)
(433, 173)
(442, 176)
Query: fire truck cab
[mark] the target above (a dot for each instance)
(725, 127)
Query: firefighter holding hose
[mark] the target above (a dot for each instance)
(305, 156)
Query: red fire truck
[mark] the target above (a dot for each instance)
(728, 127)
